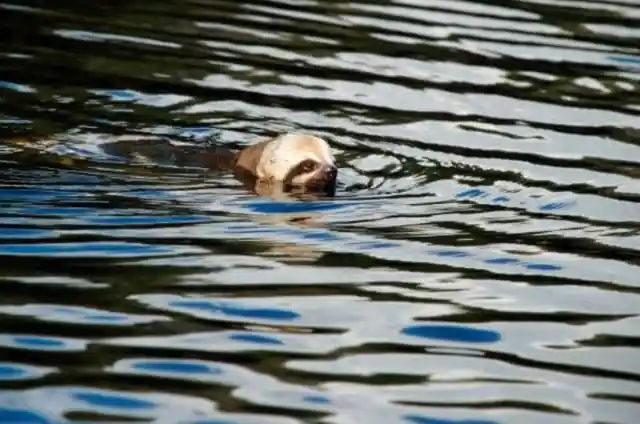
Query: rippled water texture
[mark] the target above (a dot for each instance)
(479, 265)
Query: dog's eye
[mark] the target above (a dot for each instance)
(308, 165)
(302, 168)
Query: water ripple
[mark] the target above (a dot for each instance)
(479, 264)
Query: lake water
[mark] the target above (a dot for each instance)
(480, 263)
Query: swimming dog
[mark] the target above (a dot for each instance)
(288, 162)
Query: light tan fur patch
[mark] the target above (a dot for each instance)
(273, 159)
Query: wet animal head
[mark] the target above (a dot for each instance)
(298, 160)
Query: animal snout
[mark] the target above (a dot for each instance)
(330, 172)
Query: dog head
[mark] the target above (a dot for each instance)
(295, 160)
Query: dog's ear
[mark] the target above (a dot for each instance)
(248, 158)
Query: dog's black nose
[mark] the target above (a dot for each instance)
(330, 172)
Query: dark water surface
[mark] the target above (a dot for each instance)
(479, 265)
